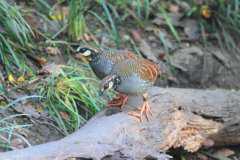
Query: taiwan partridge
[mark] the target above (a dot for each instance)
(102, 62)
(133, 77)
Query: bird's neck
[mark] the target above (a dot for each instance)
(95, 57)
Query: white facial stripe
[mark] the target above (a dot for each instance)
(87, 53)
(78, 49)
(110, 85)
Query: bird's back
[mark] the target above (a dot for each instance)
(137, 75)
(103, 63)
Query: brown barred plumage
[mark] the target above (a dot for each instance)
(147, 70)
(117, 56)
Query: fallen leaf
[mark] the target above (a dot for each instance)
(11, 78)
(205, 11)
(21, 79)
(39, 108)
(53, 51)
(173, 8)
(64, 115)
(59, 14)
(51, 68)
(41, 60)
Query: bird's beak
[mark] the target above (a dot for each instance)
(82, 58)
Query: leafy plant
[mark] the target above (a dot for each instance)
(71, 97)
(114, 32)
(170, 24)
(14, 32)
(76, 20)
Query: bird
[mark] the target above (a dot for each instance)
(102, 62)
(133, 77)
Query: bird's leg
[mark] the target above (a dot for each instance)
(144, 109)
(119, 101)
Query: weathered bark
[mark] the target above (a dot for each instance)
(181, 117)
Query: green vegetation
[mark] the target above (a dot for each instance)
(70, 91)
(76, 20)
(71, 96)
(15, 34)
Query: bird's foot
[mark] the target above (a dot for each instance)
(144, 110)
(119, 101)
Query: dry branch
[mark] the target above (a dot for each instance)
(181, 117)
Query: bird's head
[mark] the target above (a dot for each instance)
(85, 53)
(109, 82)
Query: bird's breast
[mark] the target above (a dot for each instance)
(102, 67)
(133, 85)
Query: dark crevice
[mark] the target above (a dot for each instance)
(209, 117)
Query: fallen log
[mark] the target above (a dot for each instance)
(187, 118)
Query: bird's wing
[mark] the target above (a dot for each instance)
(148, 70)
(117, 56)
(145, 69)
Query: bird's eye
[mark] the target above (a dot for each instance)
(81, 50)
(105, 86)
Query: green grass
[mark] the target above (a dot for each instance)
(73, 93)
(77, 26)
(14, 32)
(114, 31)
(169, 23)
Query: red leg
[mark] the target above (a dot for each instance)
(119, 101)
(144, 110)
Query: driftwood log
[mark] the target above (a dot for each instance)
(187, 118)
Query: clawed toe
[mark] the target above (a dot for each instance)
(144, 111)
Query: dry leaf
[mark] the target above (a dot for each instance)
(205, 11)
(11, 78)
(51, 68)
(53, 51)
(41, 60)
(64, 115)
(59, 14)
(173, 8)
(21, 79)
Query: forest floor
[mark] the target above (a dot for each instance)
(178, 45)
